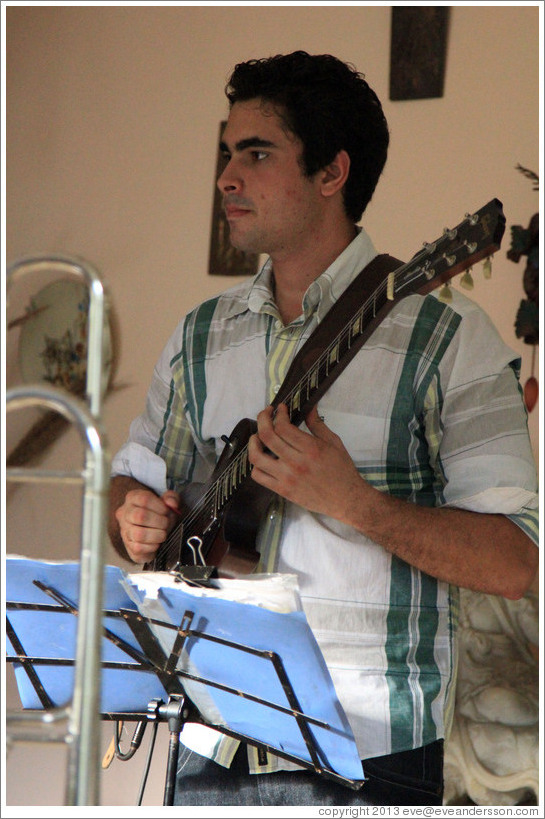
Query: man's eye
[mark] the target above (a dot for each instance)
(259, 155)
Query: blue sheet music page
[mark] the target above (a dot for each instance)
(47, 631)
(250, 661)
(263, 617)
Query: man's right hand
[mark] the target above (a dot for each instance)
(143, 520)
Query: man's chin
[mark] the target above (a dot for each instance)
(245, 243)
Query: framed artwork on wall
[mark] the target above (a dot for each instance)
(418, 51)
(224, 259)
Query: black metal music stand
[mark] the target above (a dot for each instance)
(173, 705)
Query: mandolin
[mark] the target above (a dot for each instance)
(220, 528)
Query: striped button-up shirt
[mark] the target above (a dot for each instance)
(430, 410)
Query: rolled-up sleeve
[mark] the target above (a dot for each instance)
(161, 450)
(485, 450)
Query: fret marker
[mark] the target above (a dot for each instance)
(390, 286)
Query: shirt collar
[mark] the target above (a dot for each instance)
(326, 289)
(257, 295)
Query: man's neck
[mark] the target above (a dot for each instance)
(294, 274)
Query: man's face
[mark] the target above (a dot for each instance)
(271, 206)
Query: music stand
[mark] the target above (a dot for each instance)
(178, 663)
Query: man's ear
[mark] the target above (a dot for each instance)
(335, 174)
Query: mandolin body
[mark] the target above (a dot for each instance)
(227, 530)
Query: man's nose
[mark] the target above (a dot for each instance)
(229, 180)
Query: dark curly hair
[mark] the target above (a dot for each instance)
(329, 106)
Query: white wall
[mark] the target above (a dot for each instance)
(112, 125)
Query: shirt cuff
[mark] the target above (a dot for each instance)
(138, 462)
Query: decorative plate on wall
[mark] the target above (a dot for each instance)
(53, 342)
(53, 350)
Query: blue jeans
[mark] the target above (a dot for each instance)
(407, 778)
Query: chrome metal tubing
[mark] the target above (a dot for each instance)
(82, 715)
(83, 734)
(38, 726)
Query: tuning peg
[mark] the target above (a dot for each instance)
(467, 280)
(487, 267)
(445, 294)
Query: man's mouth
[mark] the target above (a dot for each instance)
(234, 210)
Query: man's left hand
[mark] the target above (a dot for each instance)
(312, 469)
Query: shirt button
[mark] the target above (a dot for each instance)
(276, 388)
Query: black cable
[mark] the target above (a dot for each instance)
(148, 763)
(135, 741)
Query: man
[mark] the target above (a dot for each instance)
(413, 478)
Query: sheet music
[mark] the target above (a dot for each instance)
(51, 634)
(253, 618)
(252, 624)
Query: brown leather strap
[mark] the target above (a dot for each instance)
(362, 288)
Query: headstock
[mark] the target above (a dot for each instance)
(477, 237)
